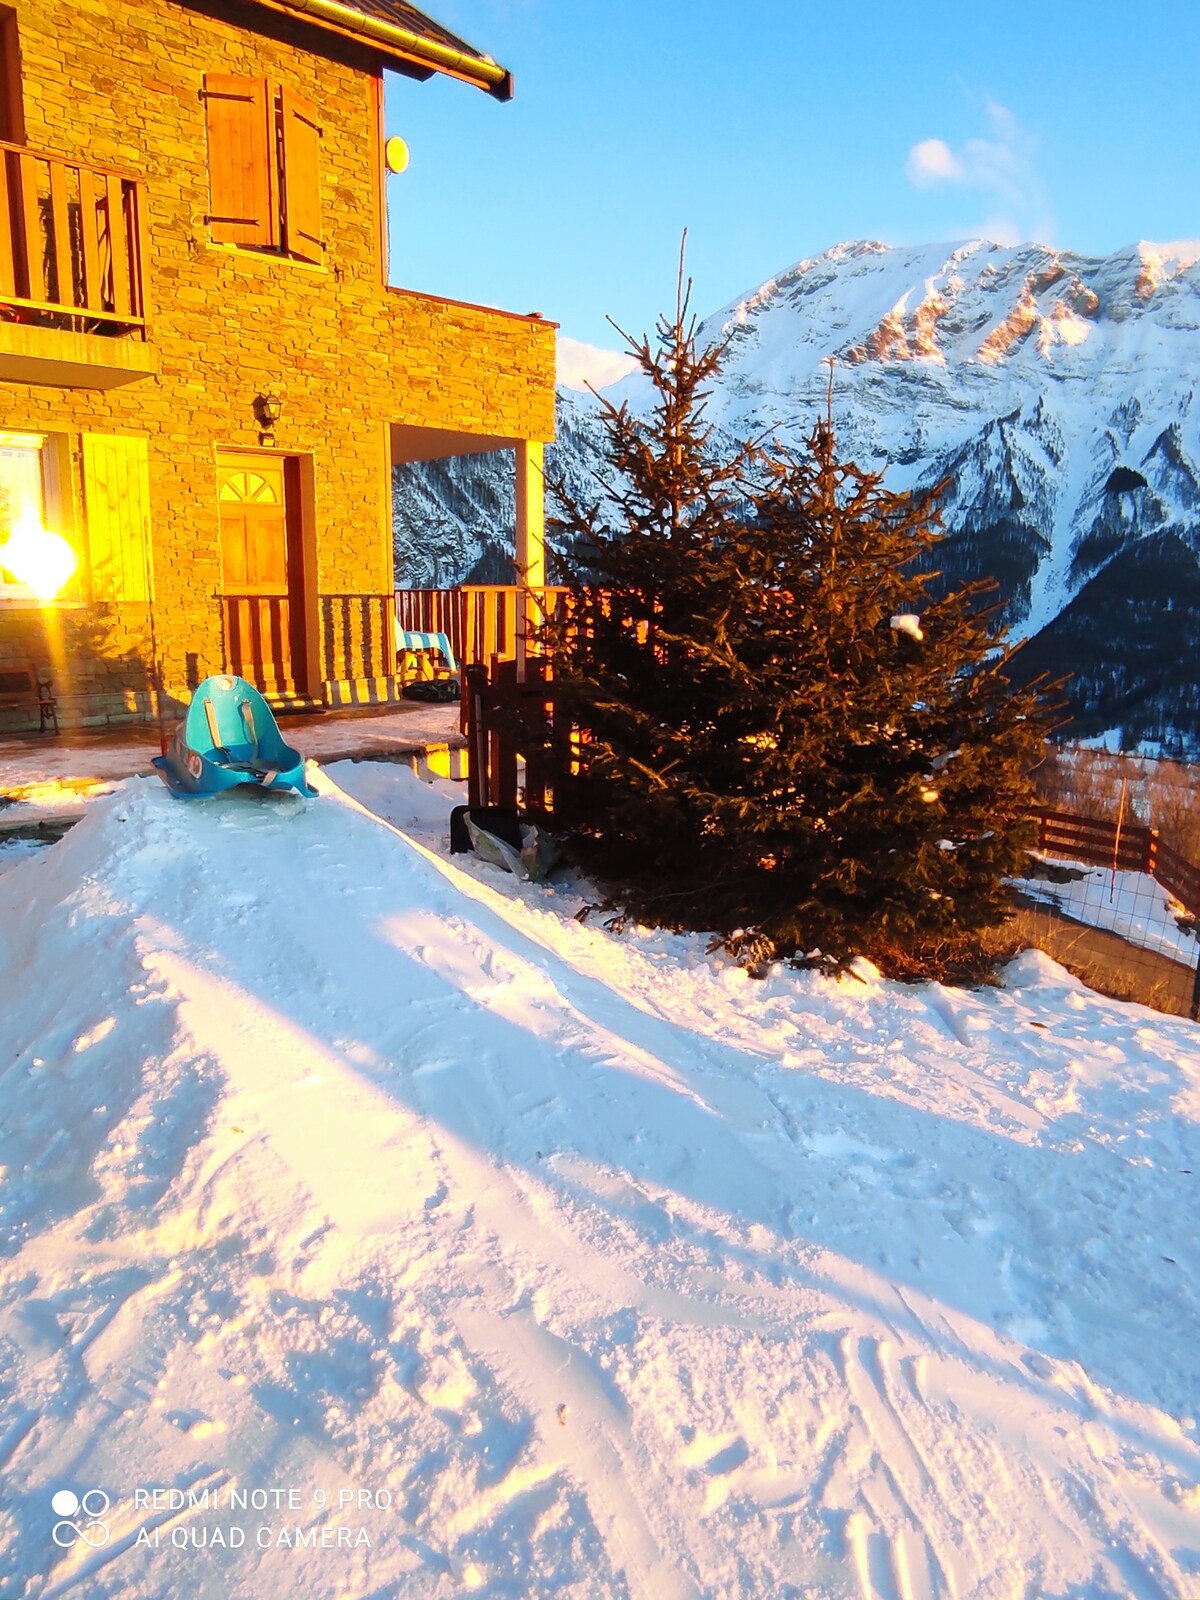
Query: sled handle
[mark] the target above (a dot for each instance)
(247, 714)
(214, 732)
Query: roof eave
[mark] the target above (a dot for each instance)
(403, 45)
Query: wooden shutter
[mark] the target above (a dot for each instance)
(116, 491)
(243, 191)
(301, 177)
(12, 118)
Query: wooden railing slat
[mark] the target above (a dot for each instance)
(60, 235)
(8, 257)
(118, 245)
(89, 231)
(139, 256)
(29, 229)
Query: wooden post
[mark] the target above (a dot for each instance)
(531, 540)
(27, 230)
(531, 514)
(474, 689)
(1112, 882)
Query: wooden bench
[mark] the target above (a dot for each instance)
(21, 689)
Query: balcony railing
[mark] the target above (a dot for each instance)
(72, 243)
(483, 622)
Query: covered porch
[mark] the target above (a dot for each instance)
(483, 622)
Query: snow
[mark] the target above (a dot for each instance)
(14, 850)
(371, 1183)
(1131, 904)
(589, 366)
(1024, 374)
(907, 622)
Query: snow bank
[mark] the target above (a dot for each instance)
(367, 1205)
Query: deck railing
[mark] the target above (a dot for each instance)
(358, 628)
(431, 611)
(498, 619)
(258, 638)
(484, 622)
(72, 243)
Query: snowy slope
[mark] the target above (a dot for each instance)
(334, 1167)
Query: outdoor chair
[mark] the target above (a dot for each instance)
(423, 655)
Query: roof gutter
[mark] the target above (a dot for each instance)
(481, 71)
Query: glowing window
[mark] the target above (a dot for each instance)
(249, 486)
(21, 495)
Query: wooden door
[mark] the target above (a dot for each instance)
(262, 574)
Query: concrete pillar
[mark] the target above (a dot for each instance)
(531, 514)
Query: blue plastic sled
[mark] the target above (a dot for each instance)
(230, 737)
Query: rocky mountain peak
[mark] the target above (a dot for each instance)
(1030, 377)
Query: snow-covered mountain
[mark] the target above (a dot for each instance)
(1056, 392)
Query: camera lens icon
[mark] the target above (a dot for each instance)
(82, 1518)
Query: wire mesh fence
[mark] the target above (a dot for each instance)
(1118, 907)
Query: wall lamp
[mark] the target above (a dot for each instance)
(268, 408)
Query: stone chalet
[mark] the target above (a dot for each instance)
(205, 378)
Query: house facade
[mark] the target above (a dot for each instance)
(205, 378)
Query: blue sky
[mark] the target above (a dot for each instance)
(772, 129)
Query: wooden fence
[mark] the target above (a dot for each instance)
(72, 242)
(1126, 847)
(502, 775)
(498, 773)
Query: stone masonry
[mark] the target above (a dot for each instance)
(118, 83)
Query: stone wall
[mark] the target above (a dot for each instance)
(120, 84)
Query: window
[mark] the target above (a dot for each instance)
(21, 499)
(263, 166)
(34, 526)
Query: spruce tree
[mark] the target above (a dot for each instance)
(779, 736)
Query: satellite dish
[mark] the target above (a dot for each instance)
(395, 154)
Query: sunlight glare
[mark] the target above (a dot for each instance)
(42, 561)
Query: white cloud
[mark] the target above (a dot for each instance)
(1001, 169)
(930, 162)
(581, 365)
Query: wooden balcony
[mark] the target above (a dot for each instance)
(72, 272)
